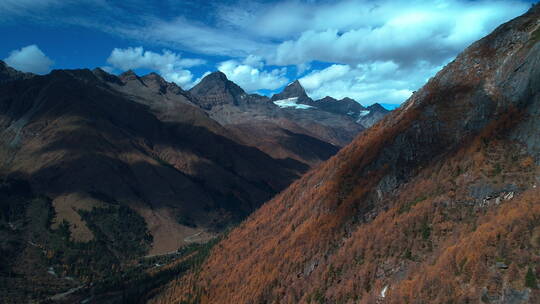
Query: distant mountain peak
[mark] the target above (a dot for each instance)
(128, 75)
(154, 78)
(295, 83)
(347, 99)
(99, 70)
(294, 89)
(218, 81)
(153, 75)
(377, 107)
(105, 76)
(215, 88)
(327, 99)
(217, 75)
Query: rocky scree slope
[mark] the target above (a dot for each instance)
(436, 203)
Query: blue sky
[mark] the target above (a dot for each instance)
(370, 50)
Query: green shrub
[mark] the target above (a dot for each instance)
(530, 279)
(426, 230)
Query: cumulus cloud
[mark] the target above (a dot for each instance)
(170, 65)
(29, 59)
(383, 81)
(317, 78)
(251, 76)
(394, 30)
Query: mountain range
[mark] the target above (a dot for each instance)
(98, 170)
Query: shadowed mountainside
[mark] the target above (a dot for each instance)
(69, 133)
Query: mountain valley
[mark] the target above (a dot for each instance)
(105, 154)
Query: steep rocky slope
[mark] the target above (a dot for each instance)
(436, 203)
(371, 115)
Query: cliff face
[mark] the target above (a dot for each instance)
(436, 203)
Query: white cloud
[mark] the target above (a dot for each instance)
(21, 7)
(133, 58)
(251, 76)
(196, 37)
(317, 78)
(29, 59)
(391, 30)
(384, 82)
(170, 65)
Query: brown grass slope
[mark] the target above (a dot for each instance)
(438, 202)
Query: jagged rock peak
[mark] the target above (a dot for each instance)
(217, 75)
(377, 107)
(347, 99)
(154, 77)
(128, 75)
(327, 99)
(216, 82)
(295, 88)
(216, 89)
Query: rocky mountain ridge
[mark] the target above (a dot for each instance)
(282, 132)
(309, 136)
(8, 73)
(295, 95)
